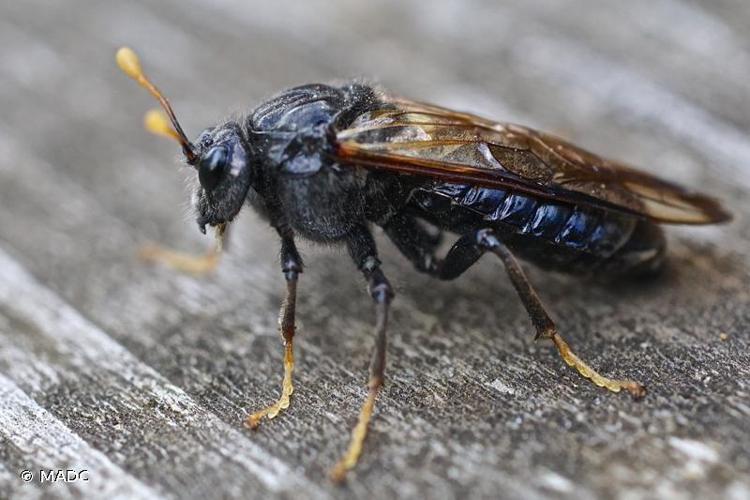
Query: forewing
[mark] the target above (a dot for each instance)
(422, 139)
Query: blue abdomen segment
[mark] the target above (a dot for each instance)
(577, 230)
(548, 220)
(493, 204)
(484, 201)
(581, 229)
(611, 233)
(497, 204)
(598, 232)
(516, 210)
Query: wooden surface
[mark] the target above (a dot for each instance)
(142, 376)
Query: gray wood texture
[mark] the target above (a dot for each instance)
(142, 376)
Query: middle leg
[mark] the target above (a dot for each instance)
(363, 251)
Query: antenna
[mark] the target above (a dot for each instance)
(155, 121)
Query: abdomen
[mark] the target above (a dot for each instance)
(552, 235)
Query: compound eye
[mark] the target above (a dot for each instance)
(212, 166)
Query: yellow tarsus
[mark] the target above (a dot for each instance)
(287, 388)
(350, 458)
(634, 388)
(193, 264)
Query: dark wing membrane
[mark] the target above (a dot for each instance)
(426, 140)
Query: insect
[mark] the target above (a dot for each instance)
(328, 162)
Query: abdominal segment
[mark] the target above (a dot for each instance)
(549, 233)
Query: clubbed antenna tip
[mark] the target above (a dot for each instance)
(155, 121)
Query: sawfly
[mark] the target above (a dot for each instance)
(329, 162)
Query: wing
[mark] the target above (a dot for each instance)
(425, 140)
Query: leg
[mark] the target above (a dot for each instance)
(291, 265)
(418, 246)
(462, 255)
(362, 250)
(192, 264)
(545, 327)
(413, 241)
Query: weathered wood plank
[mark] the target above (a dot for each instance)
(472, 407)
(36, 441)
(687, 48)
(73, 363)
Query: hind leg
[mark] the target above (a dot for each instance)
(468, 249)
(545, 327)
(413, 241)
(417, 245)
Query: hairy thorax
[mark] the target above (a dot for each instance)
(322, 200)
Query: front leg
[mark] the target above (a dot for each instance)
(195, 264)
(363, 251)
(291, 266)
